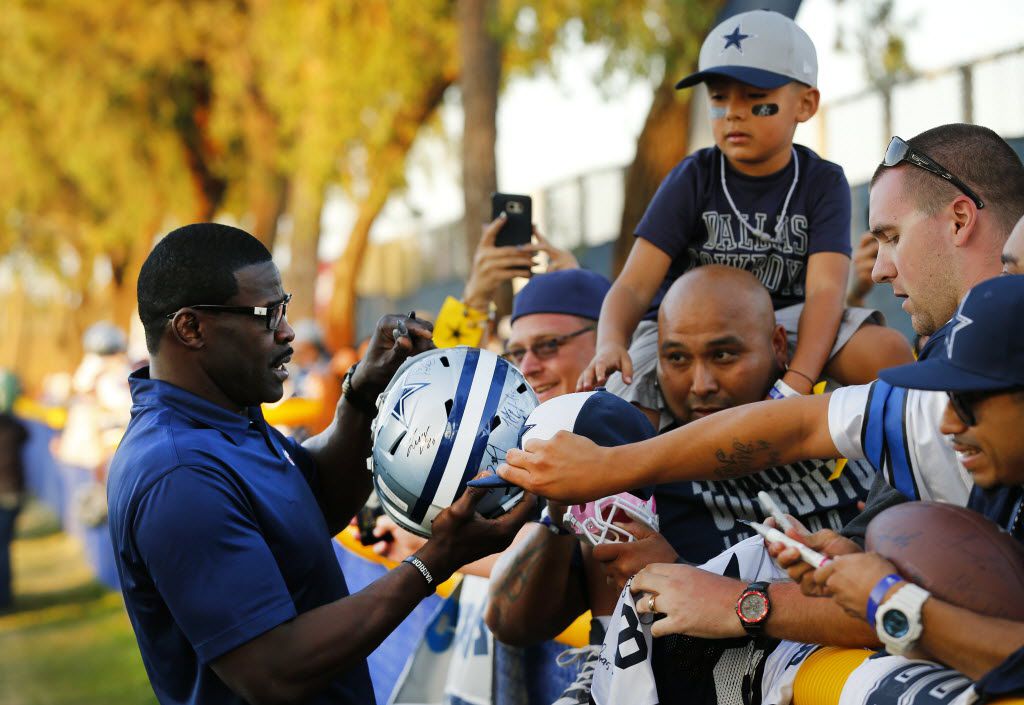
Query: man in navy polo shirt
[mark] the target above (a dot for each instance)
(222, 526)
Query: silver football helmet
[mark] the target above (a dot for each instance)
(446, 415)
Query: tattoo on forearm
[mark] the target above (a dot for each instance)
(744, 458)
(519, 573)
(512, 586)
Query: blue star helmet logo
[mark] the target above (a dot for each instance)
(735, 39)
(962, 322)
(407, 391)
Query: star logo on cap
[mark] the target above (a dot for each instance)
(735, 39)
(407, 391)
(962, 322)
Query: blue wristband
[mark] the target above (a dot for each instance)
(878, 592)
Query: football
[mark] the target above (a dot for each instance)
(956, 554)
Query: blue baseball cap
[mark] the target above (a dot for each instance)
(984, 348)
(575, 292)
(599, 415)
(762, 48)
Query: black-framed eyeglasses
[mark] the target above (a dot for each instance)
(900, 151)
(963, 403)
(543, 349)
(273, 314)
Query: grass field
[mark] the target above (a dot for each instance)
(68, 640)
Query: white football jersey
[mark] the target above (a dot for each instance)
(897, 431)
(624, 673)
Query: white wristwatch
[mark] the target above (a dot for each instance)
(898, 619)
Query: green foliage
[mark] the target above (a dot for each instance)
(646, 38)
(120, 119)
(69, 642)
(877, 35)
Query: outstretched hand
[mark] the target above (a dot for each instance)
(395, 339)
(493, 265)
(622, 560)
(825, 541)
(609, 358)
(694, 601)
(461, 535)
(849, 579)
(558, 259)
(567, 468)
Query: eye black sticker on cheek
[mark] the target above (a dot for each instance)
(765, 109)
(717, 113)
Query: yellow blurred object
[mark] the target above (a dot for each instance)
(840, 463)
(576, 634)
(458, 324)
(822, 676)
(52, 416)
(349, 539)
(293, 412)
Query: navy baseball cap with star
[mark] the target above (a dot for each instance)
(984, 348)
(762, 48)
(599, 415)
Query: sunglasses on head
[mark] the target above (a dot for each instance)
(899, 150)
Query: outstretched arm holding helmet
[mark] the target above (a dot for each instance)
(297, 659)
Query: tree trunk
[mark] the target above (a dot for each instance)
(266, 186)
(125, 276)
(388, 164)
(662, 144)
(307, 200)
(192, 93)
(266, 204)
(480, 53)
(341, 314)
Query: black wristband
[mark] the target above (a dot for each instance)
(354, 398)
(422, 568)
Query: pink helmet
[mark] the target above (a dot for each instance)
(594, 521)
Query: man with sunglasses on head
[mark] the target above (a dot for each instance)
(222, 527)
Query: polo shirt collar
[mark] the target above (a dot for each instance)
(148, 392)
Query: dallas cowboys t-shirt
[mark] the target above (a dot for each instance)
(690, 219)
(701, 518)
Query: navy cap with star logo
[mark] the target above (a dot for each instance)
(762, 48)
(599, 415)
(984, 348)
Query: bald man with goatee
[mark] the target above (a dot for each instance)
(718, 347)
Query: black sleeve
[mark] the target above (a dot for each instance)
(1005, 679)
(881, 497)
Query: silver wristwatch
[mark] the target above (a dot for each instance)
(898, 619)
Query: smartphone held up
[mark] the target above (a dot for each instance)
(518, 210)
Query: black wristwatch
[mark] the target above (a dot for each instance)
(354, 398)
(753, 608)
